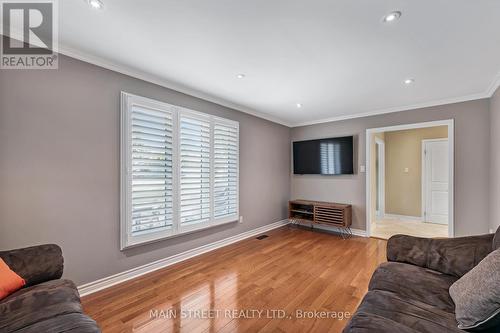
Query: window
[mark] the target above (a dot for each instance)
(194, 160)
(225, 170)
(179, 170)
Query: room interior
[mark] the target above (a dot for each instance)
(283, 166)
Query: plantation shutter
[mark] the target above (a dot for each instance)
(194, 169)
(179, 170)
(151, 169)
(226, 151)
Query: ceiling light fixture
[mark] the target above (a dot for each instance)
(96, 4)
(299, 105)
(409, 81)
(391, 17)
(240, 76)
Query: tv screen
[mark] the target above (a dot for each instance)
(333, 156)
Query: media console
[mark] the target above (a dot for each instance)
(320, 212)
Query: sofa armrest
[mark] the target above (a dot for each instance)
(453, 256)
(36, 264)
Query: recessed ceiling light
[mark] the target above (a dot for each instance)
(240, 76)
(299, 105)
(96, 4)
(409, 81)
(391, 17)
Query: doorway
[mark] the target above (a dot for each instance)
(409, 180)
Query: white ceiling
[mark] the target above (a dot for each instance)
(335, 57)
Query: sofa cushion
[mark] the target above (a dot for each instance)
(409, 281)
(38, 303)
(36, 264)
(496, 239)
(452, 256)
(477, 295)
(385, 311)
(68, 323)
(371, 323)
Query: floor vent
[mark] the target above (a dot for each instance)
(261, 237)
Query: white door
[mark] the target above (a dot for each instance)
(435, 180)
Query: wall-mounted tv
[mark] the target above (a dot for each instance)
(332, 156)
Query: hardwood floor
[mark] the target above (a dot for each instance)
(292, 270)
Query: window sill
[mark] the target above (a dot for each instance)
(131, 245)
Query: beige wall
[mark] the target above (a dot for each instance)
(60, 163)
(403, 149)
(495, 161)
(472, 162)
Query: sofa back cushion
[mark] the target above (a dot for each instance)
(453, 256)
(35, 264)
(9, 280)
(477, 295)
(496, 240)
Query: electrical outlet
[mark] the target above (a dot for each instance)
(407, 170)
(362, 168)
(241, 219)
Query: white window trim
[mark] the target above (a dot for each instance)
(126, 239)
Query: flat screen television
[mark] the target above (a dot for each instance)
(332, 156)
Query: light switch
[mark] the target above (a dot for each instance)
(362, 168)
(407, 170)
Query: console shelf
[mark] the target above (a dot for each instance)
(320, 212)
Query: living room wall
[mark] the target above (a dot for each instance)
(60, 162)
(472, 158)
(495, 161)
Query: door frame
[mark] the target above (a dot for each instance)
(381, 176)
(451, 153)
(424, 174)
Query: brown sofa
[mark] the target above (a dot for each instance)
(409, 293)
(47, 303)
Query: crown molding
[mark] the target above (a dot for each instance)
(495, 84)
(126, 70)
(396, 109)
(142, 75)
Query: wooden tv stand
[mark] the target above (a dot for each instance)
(320, 212)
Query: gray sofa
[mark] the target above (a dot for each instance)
(47, 303)
(409, 293)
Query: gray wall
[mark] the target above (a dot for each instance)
(495, 161)
(472, 149)
(59, 167)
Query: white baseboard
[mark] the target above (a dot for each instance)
(359, 232)
(112, 280)
(403, 217)
(356, 232)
